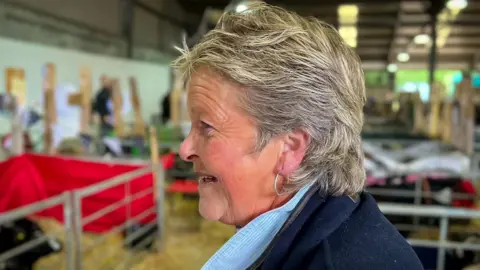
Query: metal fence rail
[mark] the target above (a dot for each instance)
(444, 214)
(74, 222)
(122, 180)
(64, 200)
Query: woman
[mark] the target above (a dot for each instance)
(276, 101)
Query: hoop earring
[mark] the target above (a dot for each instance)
(275, 185)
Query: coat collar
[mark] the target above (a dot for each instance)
(322, 212)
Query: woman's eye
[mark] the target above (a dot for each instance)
(206, 127)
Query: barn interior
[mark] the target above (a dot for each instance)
(95, 182)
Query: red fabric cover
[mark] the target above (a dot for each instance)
(168, 161)
(183, 186)
(467, 187)
(20, 183)
(29, 178)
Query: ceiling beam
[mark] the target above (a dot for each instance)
(381, 65)
(467, 40)
(457, 50)
(319, 10)
(398, 23)
(160, 15)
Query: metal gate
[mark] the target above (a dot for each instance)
(442, 213)
(74, 222)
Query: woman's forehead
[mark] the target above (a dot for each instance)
(207, 88)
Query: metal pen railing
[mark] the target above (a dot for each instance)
(74, 222)
(122, 180)
(64, 200)
(444, 214)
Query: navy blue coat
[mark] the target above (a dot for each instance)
(338, 233)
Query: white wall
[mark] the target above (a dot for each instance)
(152, 79)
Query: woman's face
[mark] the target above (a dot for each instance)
(235, 183)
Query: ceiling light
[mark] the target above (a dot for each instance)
(347, 31)
(392, 68)
(457, 4)
(241, 8)
(421, 39)
(347, 11)
(403, 57)
(348, 20)
(351, 42)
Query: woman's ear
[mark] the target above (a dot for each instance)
(295, 145)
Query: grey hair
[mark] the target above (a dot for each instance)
(297, 73)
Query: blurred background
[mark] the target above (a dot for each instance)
(92, 115)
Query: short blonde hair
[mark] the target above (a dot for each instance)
(297, 73)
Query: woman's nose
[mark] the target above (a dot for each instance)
(186, 149)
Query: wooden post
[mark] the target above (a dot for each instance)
(139, 124)
(176, 96)
(436, 98)
(419, 116)
(117, 108)
(82, 99)
(49, 78)
(467, 115)
(447, 122)
(86, 101)
(154, 158)
(15, 86)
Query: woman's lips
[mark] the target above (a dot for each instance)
(206, 178)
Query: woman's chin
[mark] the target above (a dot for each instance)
(210, 210)
(213, 204)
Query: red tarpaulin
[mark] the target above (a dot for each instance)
(30, 178)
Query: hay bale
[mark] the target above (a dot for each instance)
(52, 228)
(71, 146)
(188, 250)
(182, 249)
(101, 255)
(183, 212)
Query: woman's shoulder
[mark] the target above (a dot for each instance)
(342, 233)
(367, 240)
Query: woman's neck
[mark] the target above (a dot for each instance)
(277, 202)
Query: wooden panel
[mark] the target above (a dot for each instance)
(418, 114)
(10, 74)
(75, 99)
(15, 84)
(139, 124)
(447, 122)
(467, 113)
(176, 100)
(49, 77)
(86, 97)
(436, 98)
(463, 116)
(117, 108)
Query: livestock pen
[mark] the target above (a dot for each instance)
(96, 209)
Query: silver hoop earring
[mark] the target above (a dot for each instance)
(275, 185)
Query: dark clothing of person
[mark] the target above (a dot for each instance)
(100, 106)
(166, 108)
(338, 233)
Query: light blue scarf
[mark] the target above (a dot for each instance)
(246, 246)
